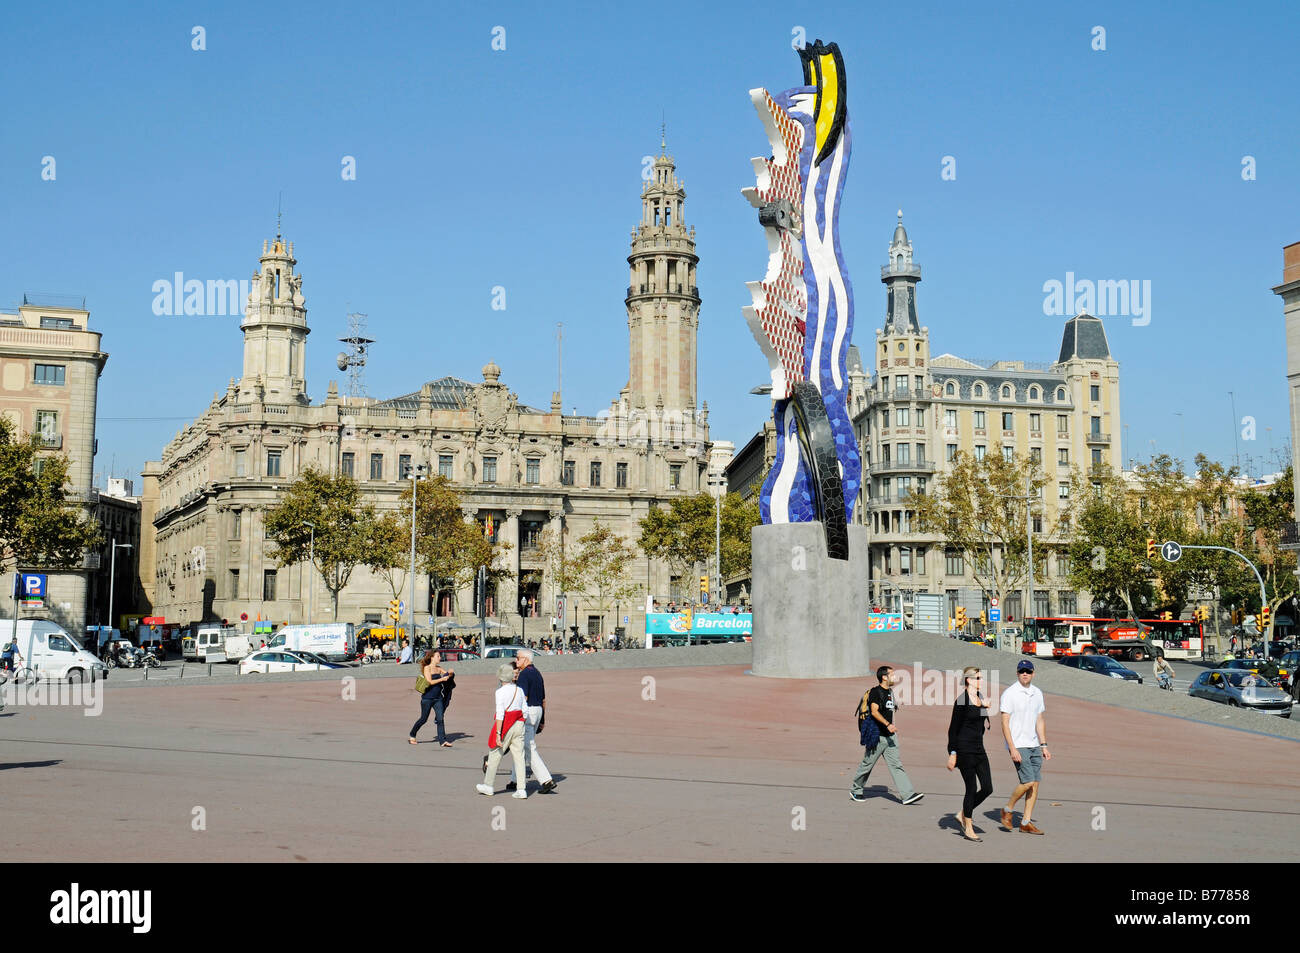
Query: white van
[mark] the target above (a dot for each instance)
(337, 641)
(48, 650)
(207, 643)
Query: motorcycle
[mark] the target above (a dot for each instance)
(149, 660)
(124, 659)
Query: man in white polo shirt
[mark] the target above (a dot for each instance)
(1023, 728)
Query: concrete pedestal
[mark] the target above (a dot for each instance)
(810, 611)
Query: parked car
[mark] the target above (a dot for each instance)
(457, 655)
(505, 651)
(1241, 689)
(1102, 665)
(1286, 670)
(268, 661)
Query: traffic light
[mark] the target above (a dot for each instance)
(1263, 618)
(704, 588)
(394, 612)
(1151, 547)
(951, 623)
(983, 618)
(961, 617)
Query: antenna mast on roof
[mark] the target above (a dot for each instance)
(353, 360)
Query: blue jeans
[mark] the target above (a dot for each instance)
(431, 700)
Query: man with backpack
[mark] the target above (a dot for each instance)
(878, 736)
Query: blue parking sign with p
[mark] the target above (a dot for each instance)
(31, 587)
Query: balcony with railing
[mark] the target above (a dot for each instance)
(895, 466)
(1097, 436)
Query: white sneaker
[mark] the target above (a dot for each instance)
(483, 789)
(520, 795)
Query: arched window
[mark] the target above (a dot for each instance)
(978, 390)
(1060, 394)
(1006, 392)
(950, 390)
(1034, 393)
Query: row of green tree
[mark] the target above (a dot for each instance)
(1102, 527)
(324, 517)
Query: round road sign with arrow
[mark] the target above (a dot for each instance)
(1171, 551)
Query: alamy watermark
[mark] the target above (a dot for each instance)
(48, 693)
(1101, 299)
(181, 296)
(661, 426)
(937, 687)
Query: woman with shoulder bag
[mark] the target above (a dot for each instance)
(433, 675)
(970, 719)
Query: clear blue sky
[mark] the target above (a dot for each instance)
(521, 168)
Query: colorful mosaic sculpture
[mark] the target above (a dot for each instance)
(802, 311)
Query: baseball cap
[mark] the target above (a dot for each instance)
(1024, 666)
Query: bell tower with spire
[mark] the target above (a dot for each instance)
(901, 277)
(663, 306)
(275, 330)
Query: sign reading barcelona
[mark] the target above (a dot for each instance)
(712, 625)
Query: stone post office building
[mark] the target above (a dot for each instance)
(204, 553)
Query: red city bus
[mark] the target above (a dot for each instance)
(1046, 637)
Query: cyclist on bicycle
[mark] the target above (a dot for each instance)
(1163, 671)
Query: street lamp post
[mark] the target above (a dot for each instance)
(523, 619)
(112, 579)
(311, 566)
(717, 545)
(415, 474)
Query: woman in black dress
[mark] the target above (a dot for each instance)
(970, 719)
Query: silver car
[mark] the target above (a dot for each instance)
(1239, 689)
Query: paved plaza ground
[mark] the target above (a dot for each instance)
(655, 761)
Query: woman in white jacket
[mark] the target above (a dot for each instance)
(507, 731)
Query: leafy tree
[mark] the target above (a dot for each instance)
(973, 507)
(39, 527)
(448, 547)
(684, 533)
(1108, 554)
(1267, 511)
(1158, 502)
(389, 553)
(559, 565)
(600, 564)
(344, 527)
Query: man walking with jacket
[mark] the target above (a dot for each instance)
(533, 686)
